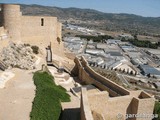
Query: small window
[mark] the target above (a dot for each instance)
(42, 22)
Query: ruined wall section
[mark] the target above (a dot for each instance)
(12, 21)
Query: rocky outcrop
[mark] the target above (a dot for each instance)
(19, 56)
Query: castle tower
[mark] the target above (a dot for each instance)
(12, 21)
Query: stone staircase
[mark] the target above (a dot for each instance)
(63, 79)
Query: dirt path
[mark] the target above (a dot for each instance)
(17, 96)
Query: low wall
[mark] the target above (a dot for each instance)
(89, 76)
(107, 82)
(86, 113)
(146, 106)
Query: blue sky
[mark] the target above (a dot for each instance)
(138, 7)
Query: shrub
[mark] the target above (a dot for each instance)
(59, 40)
(35, 49)
(26, 44)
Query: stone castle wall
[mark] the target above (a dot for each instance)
(85, 76)
(85, 107)
(42, 34)
(37, 30)
(12, 21)
(129, 102)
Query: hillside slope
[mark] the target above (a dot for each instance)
(92, 18)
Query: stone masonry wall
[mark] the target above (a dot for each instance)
(37, 30)
(85, 107)
(98, 79)
(12, 21)
(134, 102)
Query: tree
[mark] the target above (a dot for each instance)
(35, 49)
(123, 39)
(149, 75)
(135, 37)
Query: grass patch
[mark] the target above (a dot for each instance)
(157, 110)
(46, 104)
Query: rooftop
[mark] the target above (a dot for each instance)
(114, 53)
(149, 70)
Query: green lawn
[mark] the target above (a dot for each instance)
(46, 104)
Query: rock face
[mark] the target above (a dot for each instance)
(19, 56)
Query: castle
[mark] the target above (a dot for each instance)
(111, 101)
(36, 30)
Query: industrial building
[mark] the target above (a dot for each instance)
(149, 70)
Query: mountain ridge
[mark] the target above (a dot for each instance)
(130, 23)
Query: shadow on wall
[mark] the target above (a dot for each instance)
(1, 19)
(75, 71)
(70, 114)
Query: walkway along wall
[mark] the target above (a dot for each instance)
(117, 100)
(89, 76)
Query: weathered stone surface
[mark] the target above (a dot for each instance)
(18, 55)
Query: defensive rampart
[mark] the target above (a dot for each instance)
(117, 101)
(89, 76)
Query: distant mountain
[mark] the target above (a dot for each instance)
(92, 18)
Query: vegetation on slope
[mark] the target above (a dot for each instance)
(99, 38)
(142, 43)
(46, 104)
(147, 44)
